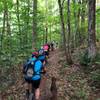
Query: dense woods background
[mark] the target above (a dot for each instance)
(26, 24)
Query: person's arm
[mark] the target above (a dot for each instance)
(44, 70)
(44, 63)
(44, 67)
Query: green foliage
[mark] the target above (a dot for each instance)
(97, 58)
(98, 23)
(81, 93)
(95, 78)
(84, 60)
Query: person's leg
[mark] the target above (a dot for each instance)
(37, 94)
(27, 88)
(36, 85)
(30, 87)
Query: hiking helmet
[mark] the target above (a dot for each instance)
(34, 54)
(41, 51)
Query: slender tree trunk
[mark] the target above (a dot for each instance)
(69, 33)
(26, 24)
(8, 34)
(46, 23)
(63, 29)
(28, 20)
(34, 23)
(82, 20)
(43, 38)
(83, 11)
(46, 36)
(79, 25)
(3, 29)
(18, 19)
(91, 30)
(50, 32)
(75, 24)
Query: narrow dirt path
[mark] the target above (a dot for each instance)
(53, 71)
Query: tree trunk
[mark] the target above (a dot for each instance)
(75, 24)
(46, 22)
(46, 36)
(43, 38)
(50, 32)
(18, 19)
(83, 5)
(69, 33)
(63, 29)
(78, 24)
(28, 13)
(3, 29)
(9, 47)
(91, 30)
(34, 23)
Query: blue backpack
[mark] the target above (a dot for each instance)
(29, 68)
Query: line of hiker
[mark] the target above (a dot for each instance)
(35, 67)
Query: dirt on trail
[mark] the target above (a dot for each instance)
(70, 82)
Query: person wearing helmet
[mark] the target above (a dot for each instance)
(41, 56)
(35, 53)
(32, 75)
(46, 50)
(52, 46)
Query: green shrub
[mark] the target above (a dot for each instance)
(84, 60)
(95, 78)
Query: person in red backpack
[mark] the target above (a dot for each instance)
(46, 49)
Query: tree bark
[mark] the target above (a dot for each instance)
(91, 30)
(34, 23)
(63, 30)
(9, 45)
(46, 36)
(28, 20)
(69, 33)
(75, 24)
(46, 22)
(3, 29)
(78, 24)
(18, 19)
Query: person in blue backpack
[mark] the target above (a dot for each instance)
(42, 56)
(32, 75)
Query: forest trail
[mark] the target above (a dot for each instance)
(69, 82)
(17, 91)
(53, 71)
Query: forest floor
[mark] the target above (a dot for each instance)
(71, 81)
